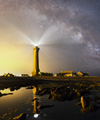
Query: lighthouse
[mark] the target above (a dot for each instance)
(36, 61)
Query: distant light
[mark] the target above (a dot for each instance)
(36, 115)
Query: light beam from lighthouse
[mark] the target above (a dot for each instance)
(36, 61)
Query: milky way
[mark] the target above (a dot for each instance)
(68, 30)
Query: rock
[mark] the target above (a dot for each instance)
(44, 106)
(78, 104)
(49, 97)
(16, 110)
(30, 87)
(20, 117)
(34, 99)
(88, 109)
(78, 94)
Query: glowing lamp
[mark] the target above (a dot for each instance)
(36, 44)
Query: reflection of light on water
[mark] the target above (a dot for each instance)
(36, 115)
(5, 91)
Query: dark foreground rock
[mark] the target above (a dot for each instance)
(20, 117)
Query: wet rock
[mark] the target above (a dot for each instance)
(44, 91)
(76, 90)
(16, 110)
(30, 87)
(78, 93)
(9, 118)
(49, 97)
(88, 109)
(20, 117)
(34, 99)
(4, 114)
(78, 104)
(44, 106)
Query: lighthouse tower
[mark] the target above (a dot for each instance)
(36, 61)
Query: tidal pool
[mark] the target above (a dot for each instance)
(44, 102)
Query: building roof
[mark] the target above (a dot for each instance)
(79, 72)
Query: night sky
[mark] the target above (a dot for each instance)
(67, 32)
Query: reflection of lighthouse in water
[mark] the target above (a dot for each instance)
(35, 102)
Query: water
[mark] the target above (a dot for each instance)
(34, 103)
